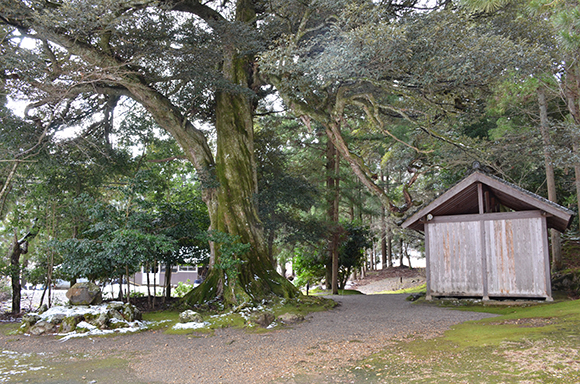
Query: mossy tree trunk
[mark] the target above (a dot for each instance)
(234, 211)
(14, 257)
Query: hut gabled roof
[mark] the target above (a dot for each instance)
(462, 199)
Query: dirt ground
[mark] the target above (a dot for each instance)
(391, 279)
(358, 327)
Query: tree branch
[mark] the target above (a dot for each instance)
(194, 7)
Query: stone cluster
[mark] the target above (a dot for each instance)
(112, 316)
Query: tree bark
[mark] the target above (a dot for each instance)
(333, 199)
(147, 270)
(14, 257)
(167, 282)
(383, 239)
(550, 179)
(402, 253)
(571, 94)
(128, 284)
(231, 204)
(155, 272)
(389, 246)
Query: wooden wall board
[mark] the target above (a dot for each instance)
(515, 257)
(489, 255)
(455, 259)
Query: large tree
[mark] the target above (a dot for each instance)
(183, 62)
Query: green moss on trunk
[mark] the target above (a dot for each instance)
(235, 212)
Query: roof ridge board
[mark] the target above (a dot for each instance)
(530, 193)
(475, 174)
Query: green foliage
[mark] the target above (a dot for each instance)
(182, 288)
(230, 249)
(310, 262)
(148, 218)
(284, 195)
(356, 240)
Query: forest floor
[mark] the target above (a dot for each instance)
(367, 338)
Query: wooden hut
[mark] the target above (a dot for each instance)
(488, 238)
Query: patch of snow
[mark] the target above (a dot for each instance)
(190, 325)
(272, 325)
(76, 310)
(133, 327)
(85, 325)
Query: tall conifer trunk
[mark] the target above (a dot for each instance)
(14, 257)
(550, 179)
(232, 207)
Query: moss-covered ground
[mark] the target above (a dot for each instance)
(526, 343)
(242, 318)
(65, 368)
(417, 289)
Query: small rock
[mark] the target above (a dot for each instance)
(102, 320)
(263, 319)
(30, 319)
(290, 318)
(190, 316)
(116, 305)
(69, 324)
(43, 308)
(131, 312)
(113, 314)
(415, 296)
(42, 327)
(57, 319)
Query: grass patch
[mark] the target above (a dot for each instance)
(418, 289)
(53, 368)
(9, 328)
(525, 344)
(328, 292)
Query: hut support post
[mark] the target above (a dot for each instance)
(546, 260)
(427, 268)
(482, 239)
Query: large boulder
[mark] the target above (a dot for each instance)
(84, 294)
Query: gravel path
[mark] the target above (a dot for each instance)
(390, 284)
(361, 325)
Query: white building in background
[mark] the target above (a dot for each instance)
(179, 273)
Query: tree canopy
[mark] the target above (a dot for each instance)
(403, 93)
